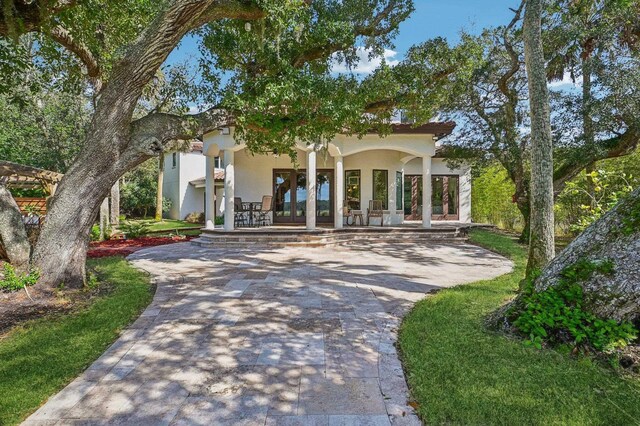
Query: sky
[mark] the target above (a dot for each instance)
(432, 18)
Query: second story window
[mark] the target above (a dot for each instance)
(174, 160)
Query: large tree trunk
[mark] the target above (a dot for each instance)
(158, 216)
(542, 241)
(115, 203)
(615, 237)
(115, 143)
(13, 235)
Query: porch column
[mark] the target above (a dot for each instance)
(210, 193)
(311, 189)
(339, 177)
(229, 190)
(426, 191)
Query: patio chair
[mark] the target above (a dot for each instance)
(375, 210)
(266, 207)
(239, 216)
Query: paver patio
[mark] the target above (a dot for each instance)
(286, 336)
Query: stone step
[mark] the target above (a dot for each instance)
(321, 239)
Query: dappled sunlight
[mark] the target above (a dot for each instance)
(255, 333)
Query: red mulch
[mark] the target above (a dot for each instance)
(126, 247)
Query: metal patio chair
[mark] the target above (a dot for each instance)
(240, 214)
(266, 207)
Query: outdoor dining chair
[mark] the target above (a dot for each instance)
(239, 216)
(266, 207)
(375, 210)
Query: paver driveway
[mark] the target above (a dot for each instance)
(268, 336)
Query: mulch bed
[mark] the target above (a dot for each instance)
(126, 247)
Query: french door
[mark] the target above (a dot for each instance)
(290, 196)
(444, 200)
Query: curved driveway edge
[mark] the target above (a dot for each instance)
(286, 336)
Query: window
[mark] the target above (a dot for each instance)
(381, 187)
(399, 192)
(217, 163)
(174, 160)
(352, 189)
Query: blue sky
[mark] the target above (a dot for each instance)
(445, 18)
(432, 18)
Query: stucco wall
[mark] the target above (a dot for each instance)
(171, 186)
(185, 198)
(192, 166)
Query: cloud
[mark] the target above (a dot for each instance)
(366, 65)
(566, 82)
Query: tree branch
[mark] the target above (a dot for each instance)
(62, 36)
(371, 29)
(615, 147)
(153, 132)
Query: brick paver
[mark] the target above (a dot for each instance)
(289, 336)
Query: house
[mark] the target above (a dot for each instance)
(183, 181)
(349, 172)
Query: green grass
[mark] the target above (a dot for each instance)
(165, 224)
(459, 373)
(40, 357)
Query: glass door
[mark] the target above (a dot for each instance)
(444, 199)
(282, 196)
(290, 196)
(324, 196)
(300, 214)
(413, 197)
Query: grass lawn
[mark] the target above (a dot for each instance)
(40, 357)
(165, 224)
(461, 374)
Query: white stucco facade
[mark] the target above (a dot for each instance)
(185, 197)
(399, 156)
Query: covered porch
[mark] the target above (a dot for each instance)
(349, 174)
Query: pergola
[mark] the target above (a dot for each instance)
(15, 175)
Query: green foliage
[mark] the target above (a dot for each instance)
(558, 311)
(491, 195)
(138, 190)
(166, 204)
(589, 196)
(133, 229)
(14, 280)
(95, 233)
(47, 131)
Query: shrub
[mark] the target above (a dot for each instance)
(195, 217)
(219, 220)
(14, 280)
(95, 233)
(133, 229)
(557, 314)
